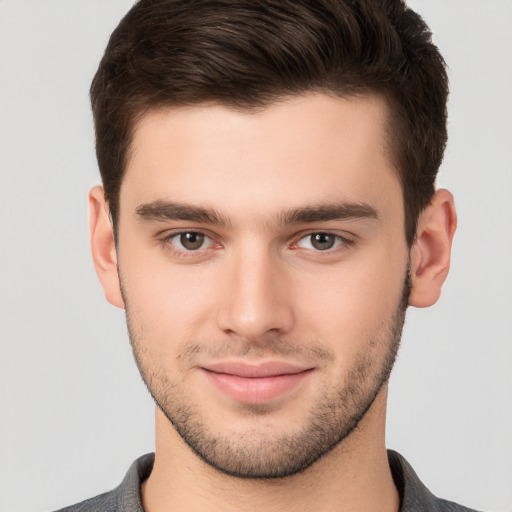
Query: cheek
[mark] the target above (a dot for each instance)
(354, 304)
(168, 304)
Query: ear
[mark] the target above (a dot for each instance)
(103, 246)
(430, 253)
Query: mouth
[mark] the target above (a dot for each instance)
(255, 383)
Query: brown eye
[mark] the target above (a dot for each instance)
(191, 241)
(322, 241)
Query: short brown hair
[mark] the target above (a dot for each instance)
(248, 53)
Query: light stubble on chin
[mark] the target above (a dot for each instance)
(335, 415)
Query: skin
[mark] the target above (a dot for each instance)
(259, 291)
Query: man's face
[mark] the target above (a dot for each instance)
(263, 265)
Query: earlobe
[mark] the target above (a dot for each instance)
(103, 246)
(430, 253)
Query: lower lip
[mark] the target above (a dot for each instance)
(256, 390)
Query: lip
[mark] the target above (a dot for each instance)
(255, 383)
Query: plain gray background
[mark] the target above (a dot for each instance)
(73, 410)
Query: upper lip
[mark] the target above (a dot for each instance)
(255, 370)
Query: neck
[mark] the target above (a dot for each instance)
(354, 476)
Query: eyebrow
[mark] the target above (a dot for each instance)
(168, 210)
(330, 211)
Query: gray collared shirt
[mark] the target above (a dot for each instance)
(415, 497)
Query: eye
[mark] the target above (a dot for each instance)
(320, 241)
(189, 241)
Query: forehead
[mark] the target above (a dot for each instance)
(303, 149)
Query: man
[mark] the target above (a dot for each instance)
(268, 211)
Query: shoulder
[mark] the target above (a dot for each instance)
(106, 502)
(124, 498)
(449, 506)
(414, 495)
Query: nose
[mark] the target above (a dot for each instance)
(255, 299)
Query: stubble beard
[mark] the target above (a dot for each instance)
(250, 455)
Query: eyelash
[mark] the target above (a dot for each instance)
(338, 240)
(166, 242)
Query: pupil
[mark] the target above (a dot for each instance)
(322, 241)
(191, 241)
